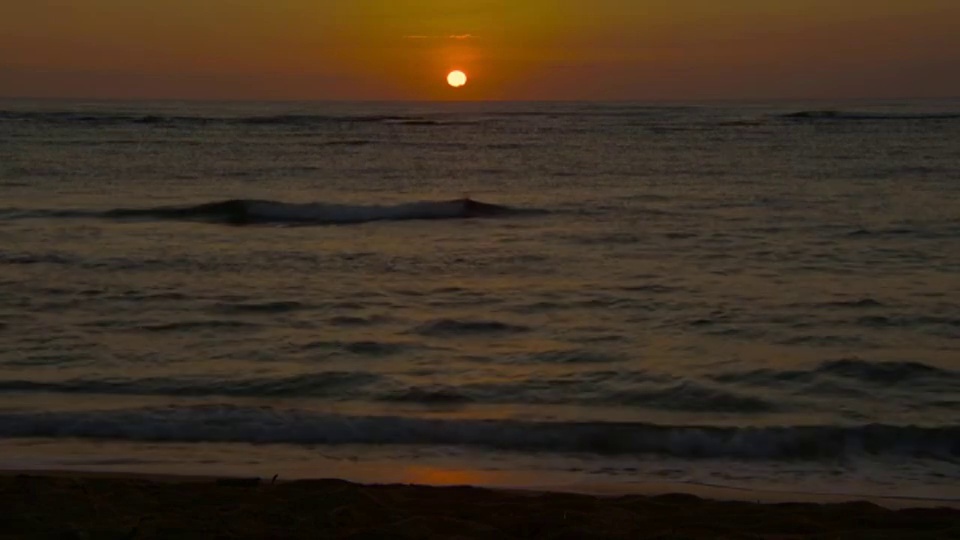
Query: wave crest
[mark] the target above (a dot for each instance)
(100, 118)
(222, 423)
(250, 211)
(330, 384)
(851, 369)
(453, 328)
(833, 115)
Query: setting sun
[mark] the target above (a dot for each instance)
(457, 79)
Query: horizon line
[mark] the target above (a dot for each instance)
(467, 101)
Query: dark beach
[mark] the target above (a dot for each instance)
(78, 506)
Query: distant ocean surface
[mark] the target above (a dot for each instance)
(757, 296)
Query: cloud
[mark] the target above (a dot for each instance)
(458, 37)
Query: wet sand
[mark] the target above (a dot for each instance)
(111, 506)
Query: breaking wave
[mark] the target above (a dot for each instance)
(249, 211)
(849, 115)
(458, 328)
(329, 384)
(852, 369)
(161, 120)
(304, 119)
(222, 423)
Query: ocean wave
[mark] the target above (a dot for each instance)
(861, 303)
(190, 326)
(572, 356)
(640, 390)
(361, 348)
(260, 307)
(248, 212)
(911, 321)
(43, 258)
(428, 395)
(308, 119)
(451, 327)
(165, 120)
(330, 384)
(834, 115)
(347, 320)
(225, 423)
(852, 369)
(348, 142)
(892, 232)
(886, 372)
(691, 397)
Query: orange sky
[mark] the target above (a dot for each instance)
(511, 49)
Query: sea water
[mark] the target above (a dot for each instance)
(751, 295)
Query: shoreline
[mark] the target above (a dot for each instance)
(44, 504)
(717, 493)
(374, 466)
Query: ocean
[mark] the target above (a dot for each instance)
(758, 296)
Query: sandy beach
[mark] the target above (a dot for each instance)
(107, 506)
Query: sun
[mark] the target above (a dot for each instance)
(456, 78)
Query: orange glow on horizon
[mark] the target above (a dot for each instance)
(536, 49)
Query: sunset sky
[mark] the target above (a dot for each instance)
(510, 49)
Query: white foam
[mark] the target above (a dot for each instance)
(226, 423)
